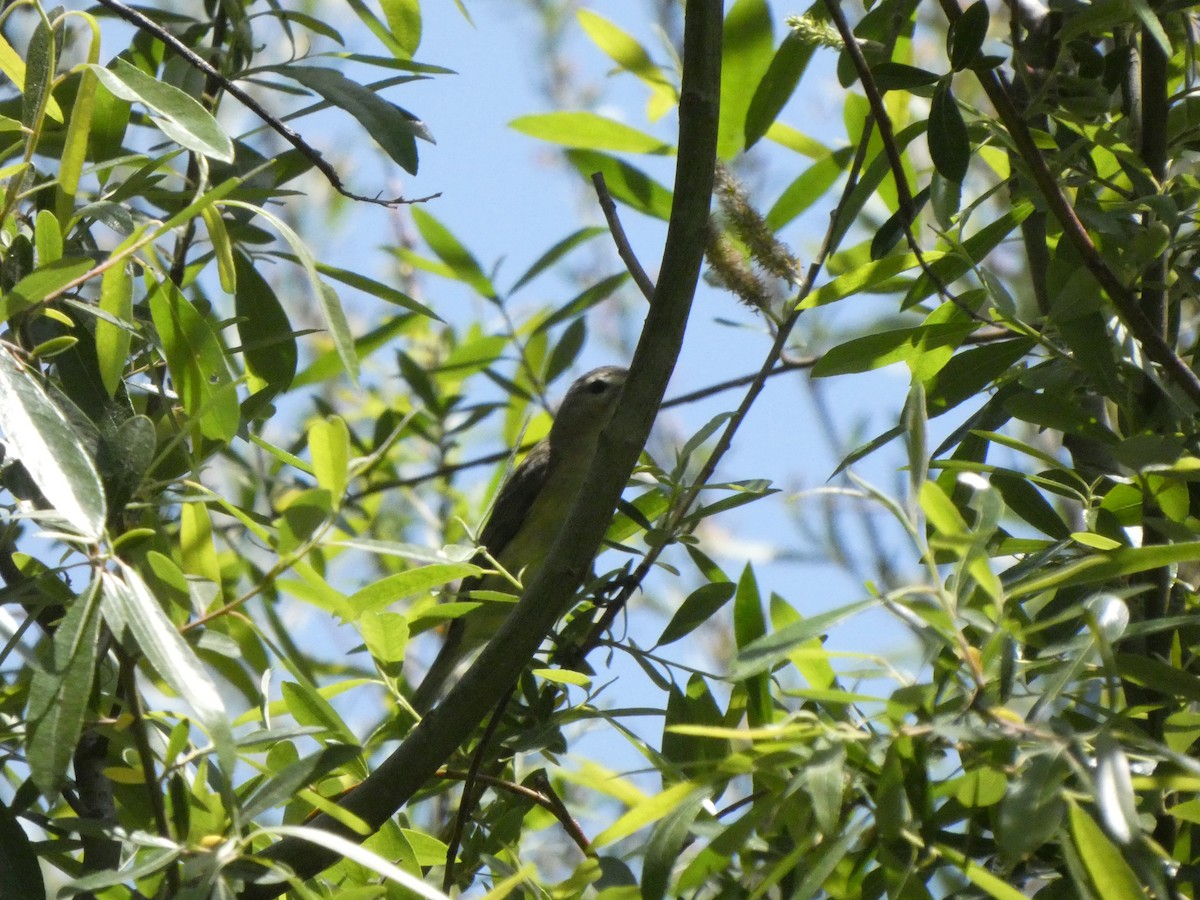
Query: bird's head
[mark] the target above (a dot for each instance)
(587, 407)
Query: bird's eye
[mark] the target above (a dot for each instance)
(598, 387)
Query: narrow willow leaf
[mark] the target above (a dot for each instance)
(331, 307)
(60, 691)
(746, 52)
(113, 340)
(647, 811)
(404, 22)
(699, 606)
(18, 860)
(771, 649)
(451, 251)
(283, 785)
(558, 251)
(42, 283)
(196, 360)
(386, 591)
(268, 342)
(197, 551)
(777, 86)
(1110, 875)
(47, 237)
(589, 131)
(79, 129)
(665, 845)
(222, 248)
(42, 438)
(130, 608)
(394, 129)
(949, 144)
(329, 446)
(627, 184)
(965, 37)
(863, 278)
(178, 115)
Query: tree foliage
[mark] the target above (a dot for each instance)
(226, 457)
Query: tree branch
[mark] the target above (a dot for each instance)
(439, 734)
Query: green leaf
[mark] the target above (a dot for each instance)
(131, 610)
(112, 339)
(627, 184)
(772, 649)
(746, 52)
(558, 251)
(1110, 875)
(807, 188)
(874, 351)
(1107, 566)
(309, 707)
(197, 363)
(329, 445)
(177, 115)
(665, 845)
(386, 591)
(377, 289)
(47, 238)
(970, 371)
(749, 626)
(777, 85)
(50, 448)
(695, 706)
(18, 860)
(60, 691)
(386, 636)
(949, 145)
(699, 606)
(589, 131)
(268, 343)
(41, 283)
(458, 258)
(284, 785)
(894, 76)
(627, 53)
(863, 278)
(965, 37)
(331, 307)
(404, 21)
(392, 128)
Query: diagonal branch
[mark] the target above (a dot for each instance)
(443, 730)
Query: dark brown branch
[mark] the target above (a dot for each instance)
(624, 250)
(143, 22)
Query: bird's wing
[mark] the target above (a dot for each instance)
(512, 505)
(516, 496)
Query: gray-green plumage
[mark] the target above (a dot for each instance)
(528, 515)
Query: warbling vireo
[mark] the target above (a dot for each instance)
(528, 515)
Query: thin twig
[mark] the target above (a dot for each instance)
(544, 798)
(624, 250)
(908, 209)
(143, 22)
(466, 804)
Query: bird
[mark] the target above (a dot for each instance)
(528, 515)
